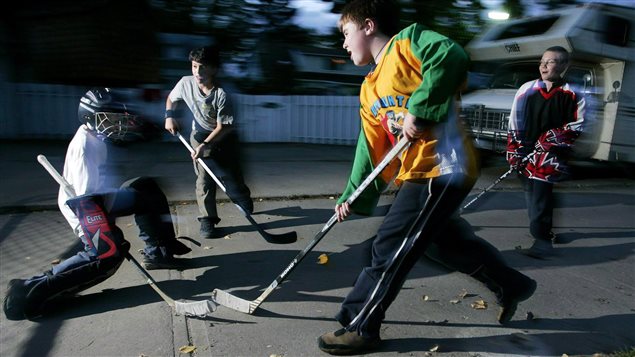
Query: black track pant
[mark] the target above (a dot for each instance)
(420, 213)
(540, 203)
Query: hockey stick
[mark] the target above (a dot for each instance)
(498, 180)
(283, 238)
(226, 299)
(194, 308)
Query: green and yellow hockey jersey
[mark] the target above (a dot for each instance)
(421, 72)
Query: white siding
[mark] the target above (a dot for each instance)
(50, 111)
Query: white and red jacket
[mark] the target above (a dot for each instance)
(543, 126)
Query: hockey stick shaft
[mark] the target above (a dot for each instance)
(498, 180)
(288, 237)
(56, 175)
(223, 298)
(185, 307)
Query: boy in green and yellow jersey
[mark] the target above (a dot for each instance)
(411, 91)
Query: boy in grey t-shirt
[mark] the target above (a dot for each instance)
(213, 137)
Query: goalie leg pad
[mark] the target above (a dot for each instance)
(98, 227)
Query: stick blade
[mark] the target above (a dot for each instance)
(226, 299)
(194, 308)
(283, 238)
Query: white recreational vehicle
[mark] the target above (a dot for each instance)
(601, 41)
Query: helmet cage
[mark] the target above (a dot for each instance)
(114, 126)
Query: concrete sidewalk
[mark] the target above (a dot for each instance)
(584, 303)
(271, 170)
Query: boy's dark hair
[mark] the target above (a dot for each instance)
(385, 13)
(562, 51)
(209, 56)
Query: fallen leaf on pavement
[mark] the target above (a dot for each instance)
(187, 349)
(323, 259)
(479, 305)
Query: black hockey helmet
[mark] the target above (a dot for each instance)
(105, 113)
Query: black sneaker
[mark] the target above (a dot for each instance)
(15, 300)
(524, 287)
(208, 230)
(164, 263)
(175, 247)
(541, 249)
(343, 342)
(553, 238)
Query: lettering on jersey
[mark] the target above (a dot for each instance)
(390, 101)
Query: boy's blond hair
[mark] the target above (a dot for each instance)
(385, 13)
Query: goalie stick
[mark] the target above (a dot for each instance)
(226, 299)
(283, 238)
(192, 308)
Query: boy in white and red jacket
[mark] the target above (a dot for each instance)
(546, 119)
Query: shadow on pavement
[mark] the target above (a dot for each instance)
(516, 200)
(545, 344)
(572, 256)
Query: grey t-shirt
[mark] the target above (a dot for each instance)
(207, 110)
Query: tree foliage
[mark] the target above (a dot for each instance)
(460, 20)
(261, 34)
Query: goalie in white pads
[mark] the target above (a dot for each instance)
(106, 123)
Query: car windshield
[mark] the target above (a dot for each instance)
(512, 76)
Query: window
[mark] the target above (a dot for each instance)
(616, 31)
(528, 28)
(581, 78)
